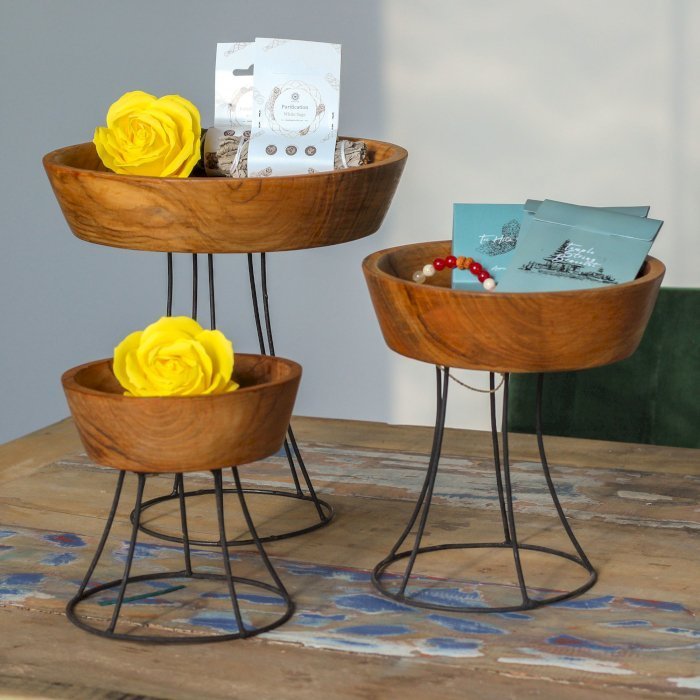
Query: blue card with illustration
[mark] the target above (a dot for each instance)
(566, 246)
(488, 233)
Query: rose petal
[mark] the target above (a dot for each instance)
(220, 349)
(128, 103)
(121, 352)
(175, 324)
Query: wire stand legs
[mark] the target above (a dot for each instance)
(242, 625)
(387, 584)
(324, 510)
(303, 489)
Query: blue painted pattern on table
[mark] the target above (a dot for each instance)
(336, 606)
(60, 559)
(569, 641)
(656, 604)
(465, 625)
(368, 603)
(65, 539)
(376, 630)
(595, 603)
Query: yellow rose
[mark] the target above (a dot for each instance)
(153, 136)
(174, 356)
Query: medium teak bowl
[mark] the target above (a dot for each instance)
(508, 332)
(223, 215)
(178, 434)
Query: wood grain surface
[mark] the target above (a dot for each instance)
(223, 215)
(180, 434)
(42, 655)
(508, 332)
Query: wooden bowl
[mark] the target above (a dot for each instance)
(179, 434)
(223, 215)
(505, 332)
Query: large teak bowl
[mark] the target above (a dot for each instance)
(223, 215)
(505, 332)
(174, 434)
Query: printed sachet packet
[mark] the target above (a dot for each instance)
(233, 107)
(295, 112)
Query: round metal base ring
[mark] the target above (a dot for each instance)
(380, 585)
(179, 639)
(326, 507)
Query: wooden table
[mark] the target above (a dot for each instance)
(41, 655)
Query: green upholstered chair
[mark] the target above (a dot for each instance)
(652, 397)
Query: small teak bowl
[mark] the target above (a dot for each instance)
(220, 214)
(179, 434)
(505, 332)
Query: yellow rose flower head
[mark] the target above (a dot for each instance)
(174, 356)
(153, 136)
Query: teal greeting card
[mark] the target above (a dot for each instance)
(488, 233)
(565, 246)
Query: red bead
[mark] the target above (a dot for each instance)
(439, 264)
(475, 268)
(451, 261)
(483, 275)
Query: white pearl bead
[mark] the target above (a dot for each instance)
(489, 284)
(418, 277)
(428, 270)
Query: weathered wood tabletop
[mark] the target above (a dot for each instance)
(644, 554)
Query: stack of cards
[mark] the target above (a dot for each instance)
(551, 246)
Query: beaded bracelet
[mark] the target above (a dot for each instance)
(461, 263)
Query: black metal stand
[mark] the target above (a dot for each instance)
(380, 576)
(243, 629)
(323, 511)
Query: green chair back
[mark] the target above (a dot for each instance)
(652, 397)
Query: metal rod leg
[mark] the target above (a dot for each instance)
(497, 457)
(305, 474)
(509, 495)
(432, 470)
(548, 476)
(266, 304)
(292, 468)
(169, 304)
(219, 491)
(183, 524)
(178, 485)
(428, 475)
(195, 285)
(254, 533)
(212, 302)
(271, 349)
(130, 553)
(256, 310)
(168, 312)
(290, 433)
(105, 534)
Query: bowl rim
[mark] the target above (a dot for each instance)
(370, 265)
(52, 161)
(69, 382)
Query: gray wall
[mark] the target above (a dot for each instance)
(64, 301)
(592, 102)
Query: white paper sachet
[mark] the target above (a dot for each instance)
(233, 101)
(296, 100)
